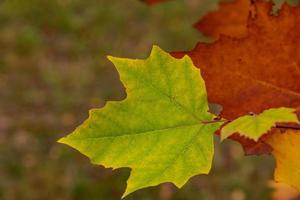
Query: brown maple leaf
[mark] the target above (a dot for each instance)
(255, 72)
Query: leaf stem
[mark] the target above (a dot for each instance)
(289, 126)
(280, 126)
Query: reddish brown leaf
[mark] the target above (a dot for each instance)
(256, 72)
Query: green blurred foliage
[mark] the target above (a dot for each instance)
(53, 70)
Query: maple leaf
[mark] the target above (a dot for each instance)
(255, 126)
(257, 72)
(159, 130)
(287, 155)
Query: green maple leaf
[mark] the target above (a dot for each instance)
(254, 126)
(159, 130)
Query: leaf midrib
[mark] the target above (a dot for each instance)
(139, 133)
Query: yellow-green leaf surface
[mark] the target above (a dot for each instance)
(254, 126)
(159, 130)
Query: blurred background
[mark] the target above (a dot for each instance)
(53, 69)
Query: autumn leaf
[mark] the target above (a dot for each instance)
(287, 155)
(255, 126)
(256, 72)
(160, 130)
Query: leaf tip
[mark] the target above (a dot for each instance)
(156, 50)
(111, 58)
(223, 137)
(127, 192)
(62, 140)
(125, 195)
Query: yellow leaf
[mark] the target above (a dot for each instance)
(286, 151)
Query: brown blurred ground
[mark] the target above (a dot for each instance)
(53, 69)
